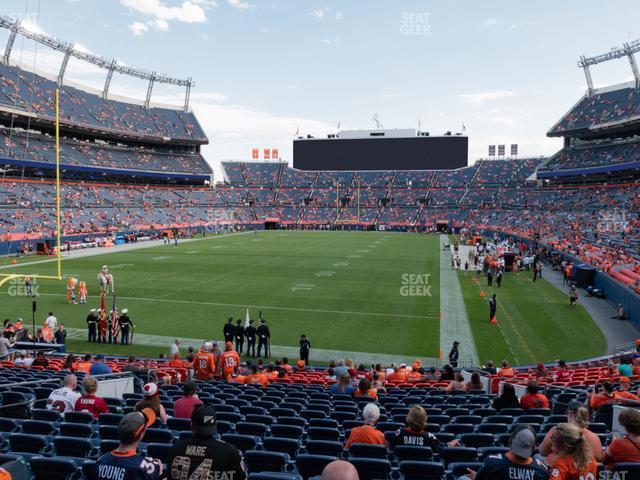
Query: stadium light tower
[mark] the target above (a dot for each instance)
(627, 50)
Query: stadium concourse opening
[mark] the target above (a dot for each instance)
(382, 311)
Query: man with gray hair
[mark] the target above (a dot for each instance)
(367, 433)
(339, 470)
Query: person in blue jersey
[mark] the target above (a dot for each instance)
(125, 463)
(516, 464)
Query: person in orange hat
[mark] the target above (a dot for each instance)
(229, 360)
(625, 390)
(300, 365)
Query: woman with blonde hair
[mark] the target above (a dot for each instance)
(574, 459)
(578, 415)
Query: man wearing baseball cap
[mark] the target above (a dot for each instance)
(211, 458)
(204, 363)
(625, 390)
(230, 360)
(125, 463)
(15, 470)
(516, 463)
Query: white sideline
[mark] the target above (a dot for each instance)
(454, 325)
(317, 354)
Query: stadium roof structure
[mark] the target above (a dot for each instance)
(111, 65)
(627, 50)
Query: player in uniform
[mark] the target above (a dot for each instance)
(203, 456)
(204, 363)
(229, 360)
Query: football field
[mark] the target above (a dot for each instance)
(364, 295)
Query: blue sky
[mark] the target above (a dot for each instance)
(265, 68)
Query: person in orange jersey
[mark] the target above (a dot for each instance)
(229, 360)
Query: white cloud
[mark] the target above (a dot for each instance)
(160, 25)
(329, 42)
(291, 87)
(492, 22)
(187, 12)
(240, 5)
(479, 99)
(319, 13)
(339, 15)
(138, 28)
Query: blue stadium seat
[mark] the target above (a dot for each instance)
(324, 447)
(323, 422)
(631, 469)
(79, 430)
(321, 433)
(106, 432)
(311, 465)
(458, 454)
(24, 443)
(459, 428)
(107, 446)
(411, 452)
(161, 451)
(476, 440)
(179, 424)
(109, 418)
(16, 405)
(412, 470)
(365, 450)
(288, 431)
(274, 476)
(78, 417)
(255, 429)
(264, 419)
(46, 415)
(493, 428)
(290, 446)
(44, 468)
(241, 442)
(38, 427)
(158, 435)
(262, 461)
(74, 447)
(372, 468)
(460, 468)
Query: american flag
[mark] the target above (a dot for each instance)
(115, 326)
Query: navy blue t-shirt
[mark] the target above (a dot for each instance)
(127, 466)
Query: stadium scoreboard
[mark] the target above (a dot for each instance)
(402, 149)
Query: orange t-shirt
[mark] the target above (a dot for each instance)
(564, 468)
(370, 393)
(600, 399)
(257, 378)
(622, 450)
(397, 377)
(627, 396)
(366, 434)
(82, 367)
(204, 365)
(506, 372)
(230, 361)
(534, 401)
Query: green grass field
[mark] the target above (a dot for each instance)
(342, 289)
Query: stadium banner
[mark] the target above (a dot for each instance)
(486, 382)
(266, 154)
(492, 150)
(501, 150)
(274, 154)
(115, 387)
(255, 153)
(514, 149)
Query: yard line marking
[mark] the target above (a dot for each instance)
(363, 251)
(325, 274)
(162, 257)
(192, 251)
(354, 256)
(244, 305)
(341, 264)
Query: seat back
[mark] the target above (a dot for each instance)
(372, 468)
(412, 470)
(312, 465)
(261, 461)
(53, 468)
(72, 446)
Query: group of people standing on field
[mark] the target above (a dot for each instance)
(239, 333)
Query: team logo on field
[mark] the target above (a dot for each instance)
(415, 285)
